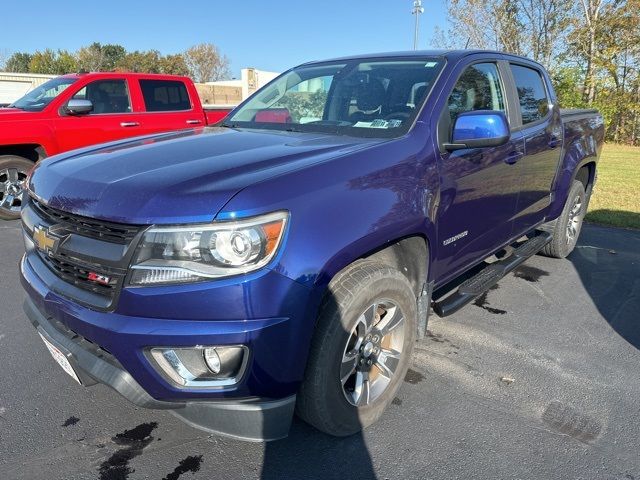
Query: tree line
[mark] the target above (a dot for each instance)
(590, 47)
(203, 62)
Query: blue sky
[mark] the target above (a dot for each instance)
(268, 34)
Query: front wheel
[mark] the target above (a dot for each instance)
(13, 173)
(361, 349)
(566, 228)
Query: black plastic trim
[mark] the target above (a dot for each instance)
(250, 419)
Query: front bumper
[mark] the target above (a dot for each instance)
(247, 419)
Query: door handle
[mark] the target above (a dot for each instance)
(513, 157)
(554, 142)
(193, 122)
(129, 124)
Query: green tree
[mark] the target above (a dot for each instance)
(174, 65)
(143, 62)
(100, 58)
(53, 63)
(18, 62)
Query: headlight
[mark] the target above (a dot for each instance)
(200, 252)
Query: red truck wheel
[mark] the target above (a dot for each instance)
(13, 173)
(361, 349)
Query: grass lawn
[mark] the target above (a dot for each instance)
(616, 198)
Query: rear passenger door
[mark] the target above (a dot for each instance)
(541, 128)
(167, 106)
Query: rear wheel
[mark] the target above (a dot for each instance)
(361, 349)
(13, 173)
(566, 228)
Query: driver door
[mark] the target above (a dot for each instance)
(479, 186)
(111, 119)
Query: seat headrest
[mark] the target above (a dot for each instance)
(420, 92)
(370, 95)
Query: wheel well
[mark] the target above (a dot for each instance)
(409, 256)
(586, 175)
(30, 151)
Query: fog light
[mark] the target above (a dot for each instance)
(201, 367)
(212, 359)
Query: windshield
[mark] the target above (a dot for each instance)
(372, 98)
(37, 99)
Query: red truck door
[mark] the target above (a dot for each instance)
(112, 117)
(168, 106)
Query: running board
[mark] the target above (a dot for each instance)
(490, 275)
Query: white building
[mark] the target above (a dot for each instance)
(15, 85)
(251, 79)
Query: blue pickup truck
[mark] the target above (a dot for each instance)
(286, 260)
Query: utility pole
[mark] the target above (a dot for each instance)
(417, 10)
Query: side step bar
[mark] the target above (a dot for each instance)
(490, 275)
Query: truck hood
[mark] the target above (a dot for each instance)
(182, 177)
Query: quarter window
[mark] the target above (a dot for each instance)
(165, 95)
(534, 104)
(478, 88)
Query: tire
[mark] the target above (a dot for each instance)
(324, 401)
(566, 228)
(13, 172)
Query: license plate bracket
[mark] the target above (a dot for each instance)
(60, 358)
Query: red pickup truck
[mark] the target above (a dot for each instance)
(77, 110)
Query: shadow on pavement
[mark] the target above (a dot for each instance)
(309, 454)
(608, 262)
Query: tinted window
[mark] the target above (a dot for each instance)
(534, 103)
(165, 95)
(107, 96)
(478, 88)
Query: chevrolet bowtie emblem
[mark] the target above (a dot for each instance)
(44, 240)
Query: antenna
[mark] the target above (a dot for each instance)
(467, 44)
(417, 10)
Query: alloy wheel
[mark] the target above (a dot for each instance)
(11, 189)
(575, 218)
(372, 353)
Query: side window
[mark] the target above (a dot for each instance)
(534, 103)
(478, 88)
(107, 96)
(165, 95)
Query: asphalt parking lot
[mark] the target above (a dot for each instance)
(538, 379)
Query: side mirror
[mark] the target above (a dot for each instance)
(77, 106)
(479, 128)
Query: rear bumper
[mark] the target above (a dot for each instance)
(247, 419)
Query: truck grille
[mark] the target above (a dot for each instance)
(90, 256)
(88, 227)
(72, 273)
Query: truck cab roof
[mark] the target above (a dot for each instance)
(448, 54)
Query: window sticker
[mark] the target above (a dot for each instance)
(379, 123)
